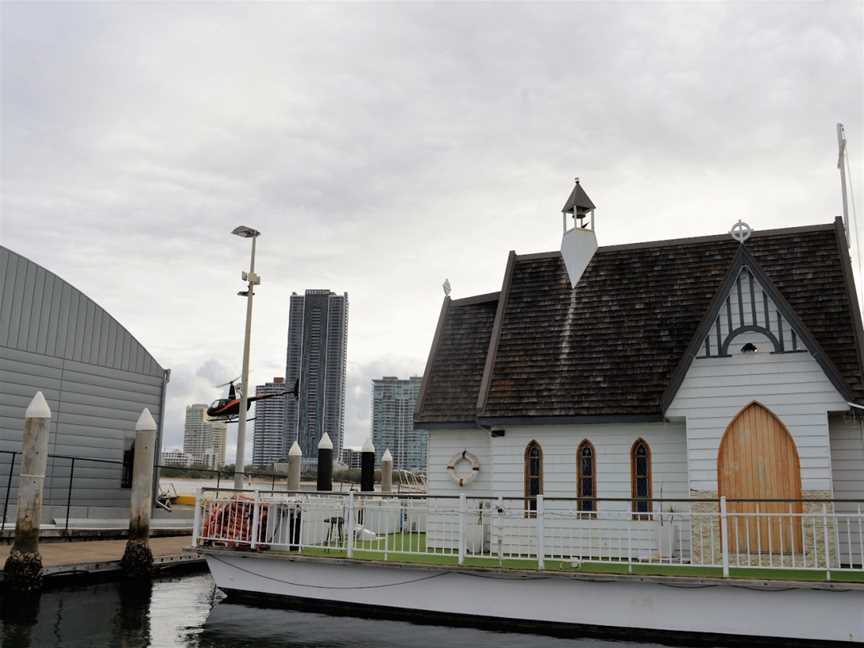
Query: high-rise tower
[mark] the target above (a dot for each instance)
(203, 439)
(393, 403)
(317, 354)
(271, 414)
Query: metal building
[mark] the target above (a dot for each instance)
(95, 376)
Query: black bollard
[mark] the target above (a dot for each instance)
(367, 467)
(325, 464)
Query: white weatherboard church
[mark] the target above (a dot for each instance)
(695, 368)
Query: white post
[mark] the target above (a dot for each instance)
(724, 536)
(462, 502)
(24, 566)
(349, 540)
(541, 547)
(138, 558)
(256, 520)
(294, 457)
(387, 472)
(841, 165)
(629, 538)
(500, 514)
(196, 521)
(827, 546)
(240, 463)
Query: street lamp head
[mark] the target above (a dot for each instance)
(245, 232)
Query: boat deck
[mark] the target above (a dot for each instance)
(683, 574)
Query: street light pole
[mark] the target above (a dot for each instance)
(252, 280)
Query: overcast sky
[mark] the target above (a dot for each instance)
(382, 148)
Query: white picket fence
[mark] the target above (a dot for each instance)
(804, 535)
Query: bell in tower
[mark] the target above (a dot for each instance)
(578, 243)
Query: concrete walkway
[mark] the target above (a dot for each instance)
(98, 551)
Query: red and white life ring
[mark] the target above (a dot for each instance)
(471, 458)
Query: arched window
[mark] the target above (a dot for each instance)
(533, 476)
(640, 475)
(586, 476)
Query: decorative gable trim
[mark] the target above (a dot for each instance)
(721, 306)
(747, 307)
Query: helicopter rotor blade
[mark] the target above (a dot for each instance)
(230, 382)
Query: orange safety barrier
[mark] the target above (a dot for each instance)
(230, 524)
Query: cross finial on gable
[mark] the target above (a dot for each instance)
(741, 231)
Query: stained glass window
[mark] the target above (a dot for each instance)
(640, 461)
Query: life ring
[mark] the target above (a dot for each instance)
(457, 459)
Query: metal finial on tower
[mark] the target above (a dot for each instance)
(446, 287)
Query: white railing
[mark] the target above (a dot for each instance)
(549, 532)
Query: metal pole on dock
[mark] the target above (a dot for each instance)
(294, 457)
(325, 464)
(138, 558)
(24, 566)
(367, 467)
(387, 472)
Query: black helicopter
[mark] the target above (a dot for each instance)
(228, 409)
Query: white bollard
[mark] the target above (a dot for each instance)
(24, 566)
(387, 472)
(294, 456)
(137, 558)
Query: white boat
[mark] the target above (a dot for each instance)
(298, 559)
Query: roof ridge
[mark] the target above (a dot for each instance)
(710, 238)
(476, 299)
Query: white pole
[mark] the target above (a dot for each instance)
(24, 566)
(461, 557)
(240, 463)
(294, 456)
(724, 536)
(256, 520)
(541, 547)
(387, 472)
(137, 557)
(841, 164)
(196, 520)
(349, 533)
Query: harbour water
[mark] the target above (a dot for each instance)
(189, 612)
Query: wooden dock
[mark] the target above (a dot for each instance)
(102, 557)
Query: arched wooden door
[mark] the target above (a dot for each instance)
(758, 460)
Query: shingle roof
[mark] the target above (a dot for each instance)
(455, 367)
(610, 346)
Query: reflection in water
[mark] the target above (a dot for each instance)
(132, 614)
(189, 613)
(19, 617)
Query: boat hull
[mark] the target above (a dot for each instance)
(670, 610)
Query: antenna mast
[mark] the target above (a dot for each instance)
(841, 164)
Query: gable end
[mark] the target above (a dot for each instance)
(748, 300)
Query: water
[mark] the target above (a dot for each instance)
(189, 612)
